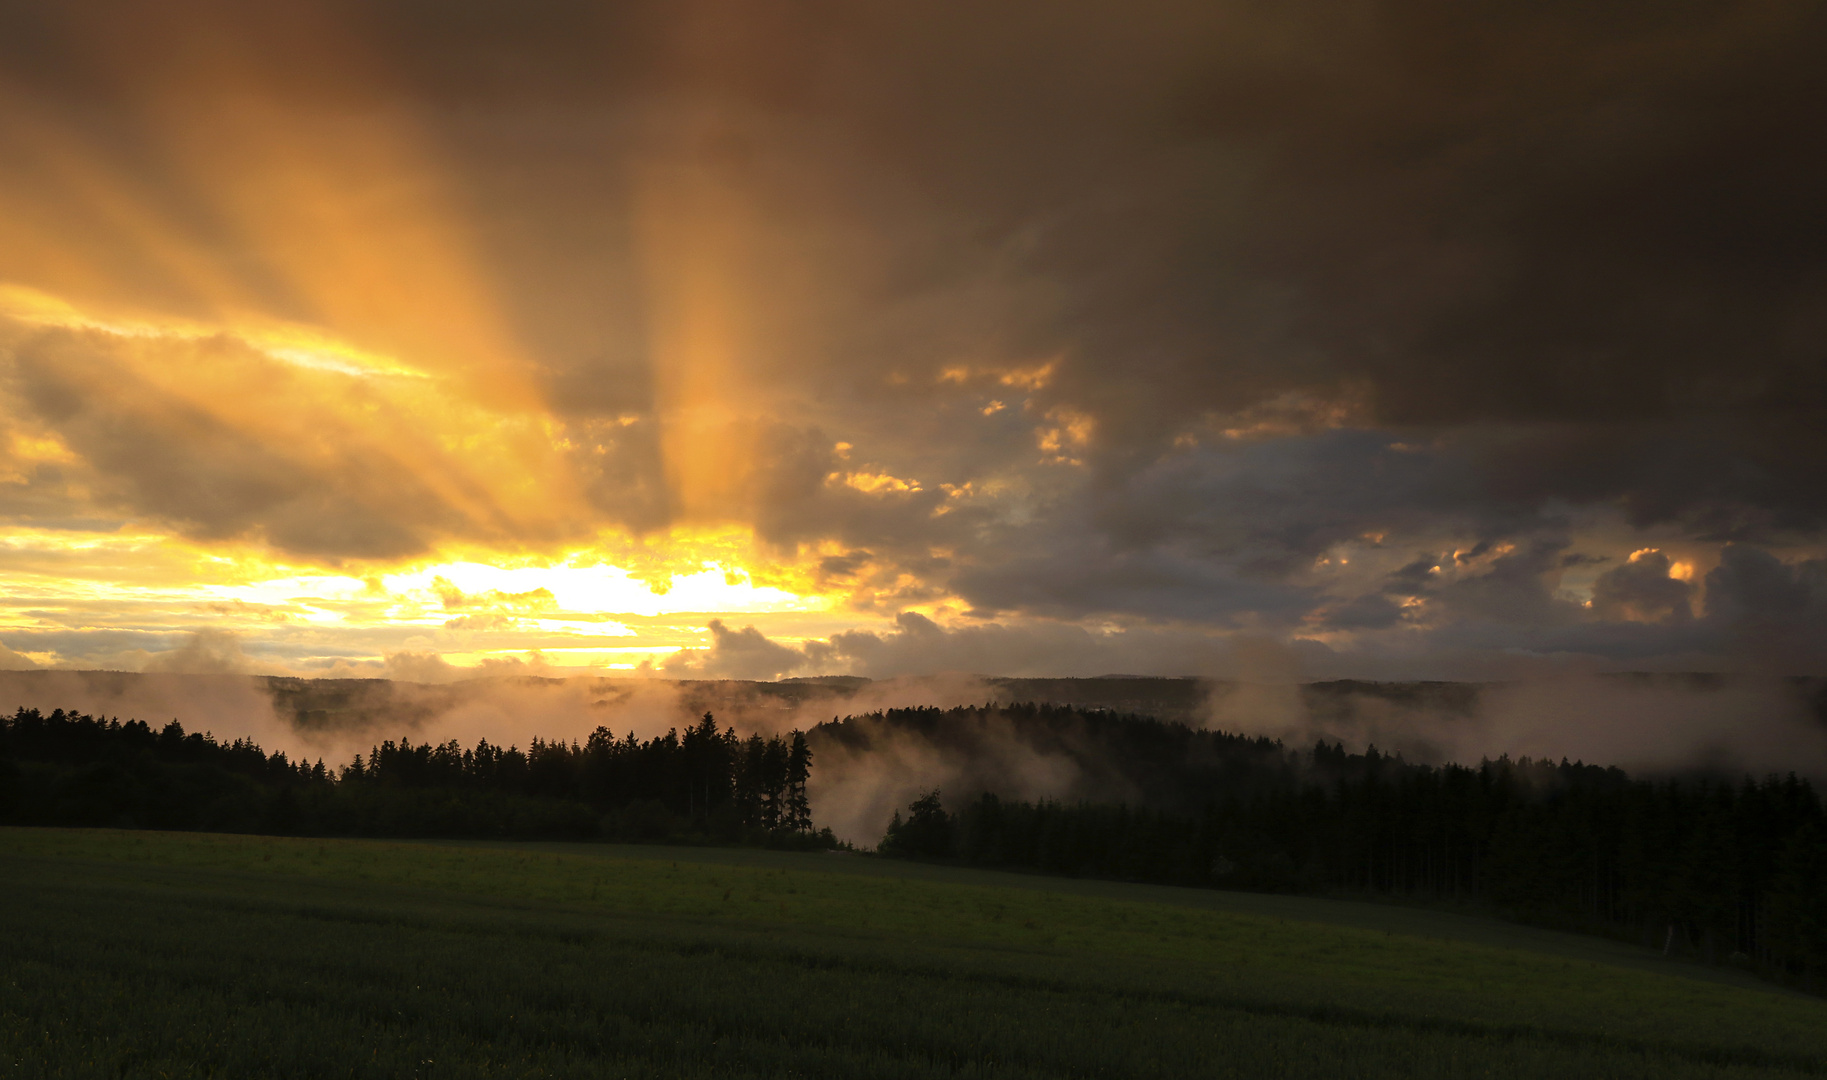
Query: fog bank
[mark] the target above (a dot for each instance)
(1651, 725)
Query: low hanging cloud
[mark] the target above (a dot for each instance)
(421, 667)
(208, 652)
(735, 654)
(919, 646)
(13, 661)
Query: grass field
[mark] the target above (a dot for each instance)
(174, 955)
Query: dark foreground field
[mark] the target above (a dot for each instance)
(177, 955)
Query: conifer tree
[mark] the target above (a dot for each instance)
(799, 770)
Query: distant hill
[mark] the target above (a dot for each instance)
(1425, 720)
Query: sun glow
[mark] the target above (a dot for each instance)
(150, 590)
(319, 420)
(280, 409)
(608, 589)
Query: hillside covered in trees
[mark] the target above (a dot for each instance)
(1722, 870)
(704, 784)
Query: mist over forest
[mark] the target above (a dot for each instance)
(1721, 726)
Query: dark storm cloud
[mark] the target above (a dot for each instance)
(1302, 273)
(1760, 613)
(1285, 499)
(1775, 612)
(1368, 612)
(796, 498)
(1752, 585)
(1549, 213)
(1642, 589)
(1513, 589)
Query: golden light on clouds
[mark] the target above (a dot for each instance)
(272, 381)
(291, 407)
(306, 407)
(592, 333)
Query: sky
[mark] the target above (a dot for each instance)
(721, 339)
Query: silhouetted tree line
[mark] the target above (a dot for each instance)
(1708, 868)
(73, 769)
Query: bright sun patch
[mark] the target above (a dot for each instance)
(608, 589)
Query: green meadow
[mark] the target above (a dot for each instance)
(143, 954)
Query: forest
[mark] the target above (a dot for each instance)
(1718, 869)
(701, 784)
(1721, 870)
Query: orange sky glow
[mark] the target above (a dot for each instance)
(325, 350)
(372, 350)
